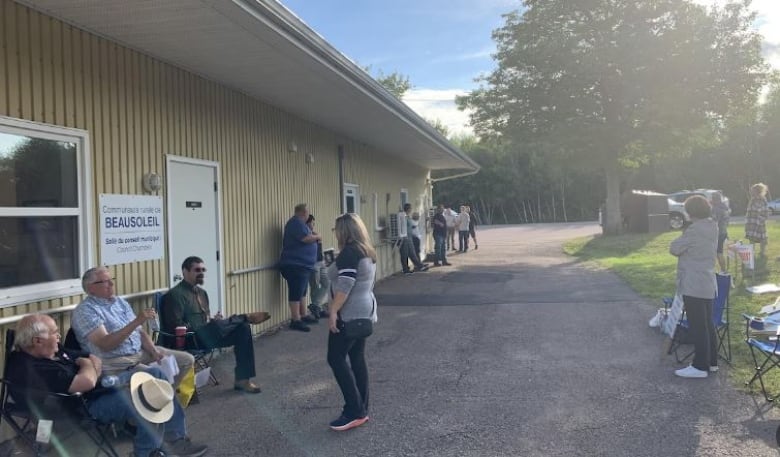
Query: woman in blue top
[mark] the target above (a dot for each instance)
(299, 255)
(352, 289)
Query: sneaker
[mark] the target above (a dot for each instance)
(344, 423)
(714, 368)
(299, 325)
(446, 264)
(309, 319)
(407, 273)
(422, 268)
(183, 447)
(690, 372)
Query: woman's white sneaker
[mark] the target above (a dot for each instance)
(691, 372)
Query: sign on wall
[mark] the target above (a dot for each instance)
(131, 228)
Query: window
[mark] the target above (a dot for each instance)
(44, 244)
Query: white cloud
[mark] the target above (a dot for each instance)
(487, 51)
(434, 104)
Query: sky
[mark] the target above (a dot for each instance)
(443, 45)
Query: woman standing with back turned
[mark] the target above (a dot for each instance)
(352, 289)
(695, 251)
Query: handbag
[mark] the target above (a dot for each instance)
(358, 328)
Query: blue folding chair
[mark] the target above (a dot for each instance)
(720, 317)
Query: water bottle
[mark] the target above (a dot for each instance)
(109, 381)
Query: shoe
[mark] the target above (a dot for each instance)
(714, 368)
(247, 386)
(309, 319)
(324, 314)
(422, 268)
(446, 264)
(407, 273)
(258, 317)
(344, 423)
(299, 325)
(476, 246)
(183, 447)
(437, 264)
(690, 372)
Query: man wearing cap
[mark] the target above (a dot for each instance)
(187, 305)
(39, 362)
(105, 325)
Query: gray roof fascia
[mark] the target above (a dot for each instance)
(287, 24)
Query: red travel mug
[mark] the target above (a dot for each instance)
(180, 332)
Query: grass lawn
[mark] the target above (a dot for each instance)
(644, 262)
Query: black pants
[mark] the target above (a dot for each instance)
(226, 333)
(702, 331)
(351, 377)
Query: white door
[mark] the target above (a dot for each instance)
(352, 198)
(193, 222)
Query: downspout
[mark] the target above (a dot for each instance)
(341, 178)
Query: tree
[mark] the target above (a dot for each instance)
(396, 83)
(607, 84)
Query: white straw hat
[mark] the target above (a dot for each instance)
(152, 397)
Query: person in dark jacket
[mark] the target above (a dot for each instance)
(440, 238)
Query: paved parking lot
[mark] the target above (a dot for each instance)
(515, 350)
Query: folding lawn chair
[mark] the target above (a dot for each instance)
(763, 348)
(168, 340)
(720, 317)
(22, 413)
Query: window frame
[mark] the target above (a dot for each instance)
(17, 295)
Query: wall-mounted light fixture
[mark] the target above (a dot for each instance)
(292, 147)
(152, 182)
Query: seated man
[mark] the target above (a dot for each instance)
(106, 326)
(39, 362)
(188, 305)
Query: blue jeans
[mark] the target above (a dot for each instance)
(463, 240)
(439, 248)
(116, 406)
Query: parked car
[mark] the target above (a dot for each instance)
(677, 215)
(774, 206)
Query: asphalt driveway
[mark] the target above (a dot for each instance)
(515, 350)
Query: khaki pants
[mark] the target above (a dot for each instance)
(185, 361)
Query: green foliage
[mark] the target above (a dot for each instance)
(644, 263)
(395, 82)
(599, 86)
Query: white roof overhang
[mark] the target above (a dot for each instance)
(260, 48)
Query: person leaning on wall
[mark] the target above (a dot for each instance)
(296, 263)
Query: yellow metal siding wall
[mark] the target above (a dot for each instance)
(138, 109)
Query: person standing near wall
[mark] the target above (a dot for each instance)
(299, 255)
(473, 227)
(405, 244)
(451, 218)
(463, 230)
(439, 238)
(318, 282)
(352, 276)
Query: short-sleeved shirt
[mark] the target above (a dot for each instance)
(353, 274)
(294, 251)
(53, 375)
(113, 315)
